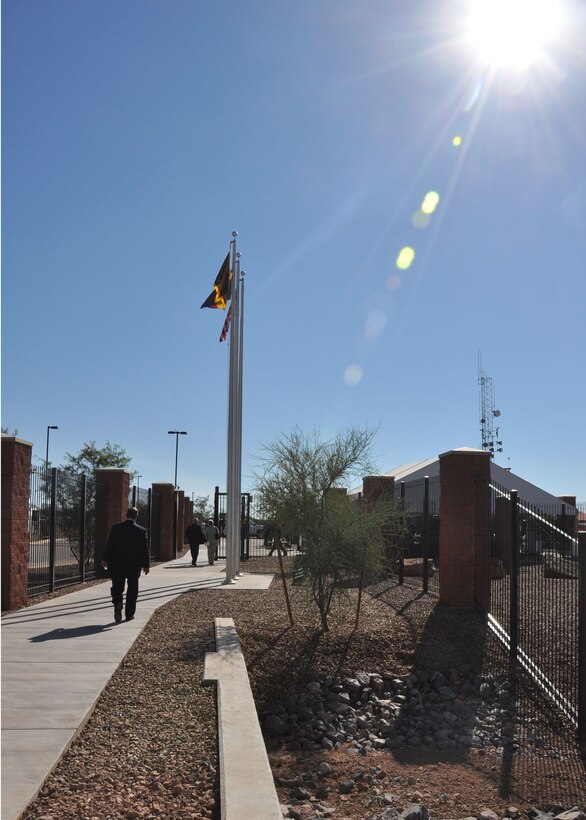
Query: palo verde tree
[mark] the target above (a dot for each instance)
(300, 484)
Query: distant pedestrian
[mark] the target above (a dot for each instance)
(194, 536)
(212, 537)
(126, 554)
(277, 535)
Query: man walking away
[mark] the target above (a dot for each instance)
(126, 553)
(212, 537)
(194, 537)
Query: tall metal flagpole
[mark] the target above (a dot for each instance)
(239, 407)
(232, 530)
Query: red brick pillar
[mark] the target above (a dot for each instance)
(16, 470)
(112, 487)
(165, 491)
(381, 488)
(187, 513)
(180, 520)
(461, 529)
(375, 487)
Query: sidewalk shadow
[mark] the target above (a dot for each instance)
(72, 632)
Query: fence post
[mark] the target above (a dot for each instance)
(460, 530)
(112, 490)
(150, 519)
(16, 472)
(514, 585)
(134, 497)
(166, 493)
(53, 529)
(425, 533)
(380, 488)
(217, 506)
(582, 639)
(401, 551)
(82, 524)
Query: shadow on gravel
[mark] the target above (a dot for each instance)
(533, 740)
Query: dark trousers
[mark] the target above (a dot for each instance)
(194, 552)
(119, 578)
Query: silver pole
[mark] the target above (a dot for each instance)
(239, 415)
(233, 362)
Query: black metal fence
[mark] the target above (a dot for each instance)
(62, 530)
(256, 536)
(418, 553)
(532, 596)
(146, 501)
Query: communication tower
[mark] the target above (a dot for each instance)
(488, 413)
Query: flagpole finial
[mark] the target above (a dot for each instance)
(234, 234)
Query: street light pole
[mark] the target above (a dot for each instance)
(176, 433)
(49, 427)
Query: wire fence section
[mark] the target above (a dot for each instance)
(532, 594)
(418, 560)
(61, 529)
(256, 533)
(148, 505)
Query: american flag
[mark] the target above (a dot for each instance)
(224, 332)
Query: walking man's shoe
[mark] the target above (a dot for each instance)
(117, 614)
(128, 617)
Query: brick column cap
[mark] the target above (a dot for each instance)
(17, 440)
(112, 470)
(163, 484)
(470, 451)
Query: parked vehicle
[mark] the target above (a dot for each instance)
(255, 529)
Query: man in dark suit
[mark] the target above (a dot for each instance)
(126, 553)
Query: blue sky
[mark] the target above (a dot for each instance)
(137, 135)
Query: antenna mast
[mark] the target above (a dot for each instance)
(488, 413)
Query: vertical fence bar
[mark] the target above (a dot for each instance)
(175, 514)
(150, 518)
(582, 639)
(82, 523)
(514, 588)
(401, 551)
(217, 506)
(53, 529)
(425, 533)
(134, 496)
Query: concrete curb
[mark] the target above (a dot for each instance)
(247, 789)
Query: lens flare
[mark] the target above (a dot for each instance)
(394, 282)
(420, 219)
(353, 375)
(457, 141)
(430, 202)
(405, 258)
(375, 324)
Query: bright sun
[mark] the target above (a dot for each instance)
(512, 33)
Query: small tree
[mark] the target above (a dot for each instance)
(301, 487)
(89, 459)
(202, 509)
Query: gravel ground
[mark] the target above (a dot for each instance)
(149, 748)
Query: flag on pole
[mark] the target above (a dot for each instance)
(224, 332)
(220, 295)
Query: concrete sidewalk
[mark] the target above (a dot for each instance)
(58, 656)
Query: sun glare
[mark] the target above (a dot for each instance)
(512, 33)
